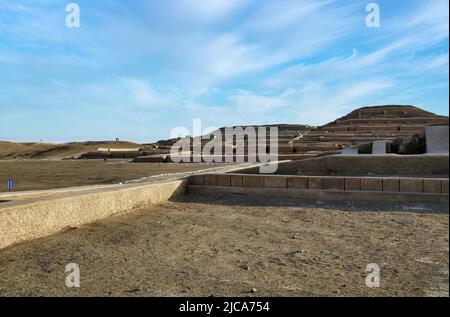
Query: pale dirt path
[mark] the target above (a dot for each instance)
(9, 199)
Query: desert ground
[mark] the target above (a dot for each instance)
(50, 174)
(40, 150)
(232, 245)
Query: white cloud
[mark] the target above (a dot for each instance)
(281, 14)
(251, 103)
(227, 56)
(206, 10)
(433, 15)
(227, 61)
(320, 104)
(420, 26)
(141, 93)
(439, 62)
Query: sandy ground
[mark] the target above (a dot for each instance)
(228, 245)
(42, 150)
(40, 174)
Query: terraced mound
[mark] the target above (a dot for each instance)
(366, 125)
(287, 133)
(362, 125)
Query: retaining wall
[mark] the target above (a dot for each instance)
(360, 188)
(366, 165)
(33, 220)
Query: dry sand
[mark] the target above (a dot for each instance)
(227, 245)
(39, 174)
(40, 150)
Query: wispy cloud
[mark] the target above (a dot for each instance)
(144, 67)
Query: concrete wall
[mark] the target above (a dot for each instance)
(365, 165)
(339, 183)
(28, 221)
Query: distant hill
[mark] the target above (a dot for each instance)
(37, 150)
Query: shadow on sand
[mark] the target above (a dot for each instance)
(350, 206)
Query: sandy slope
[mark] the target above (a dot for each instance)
(36, 150)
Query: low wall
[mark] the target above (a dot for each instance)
(364, 165)
(358, 188)
(110, 155)
(150, 159)
(28, 221)
(103, 149)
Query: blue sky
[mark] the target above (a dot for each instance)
(135, 69)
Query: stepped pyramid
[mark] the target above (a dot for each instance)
(368, 124)
(363, 125)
